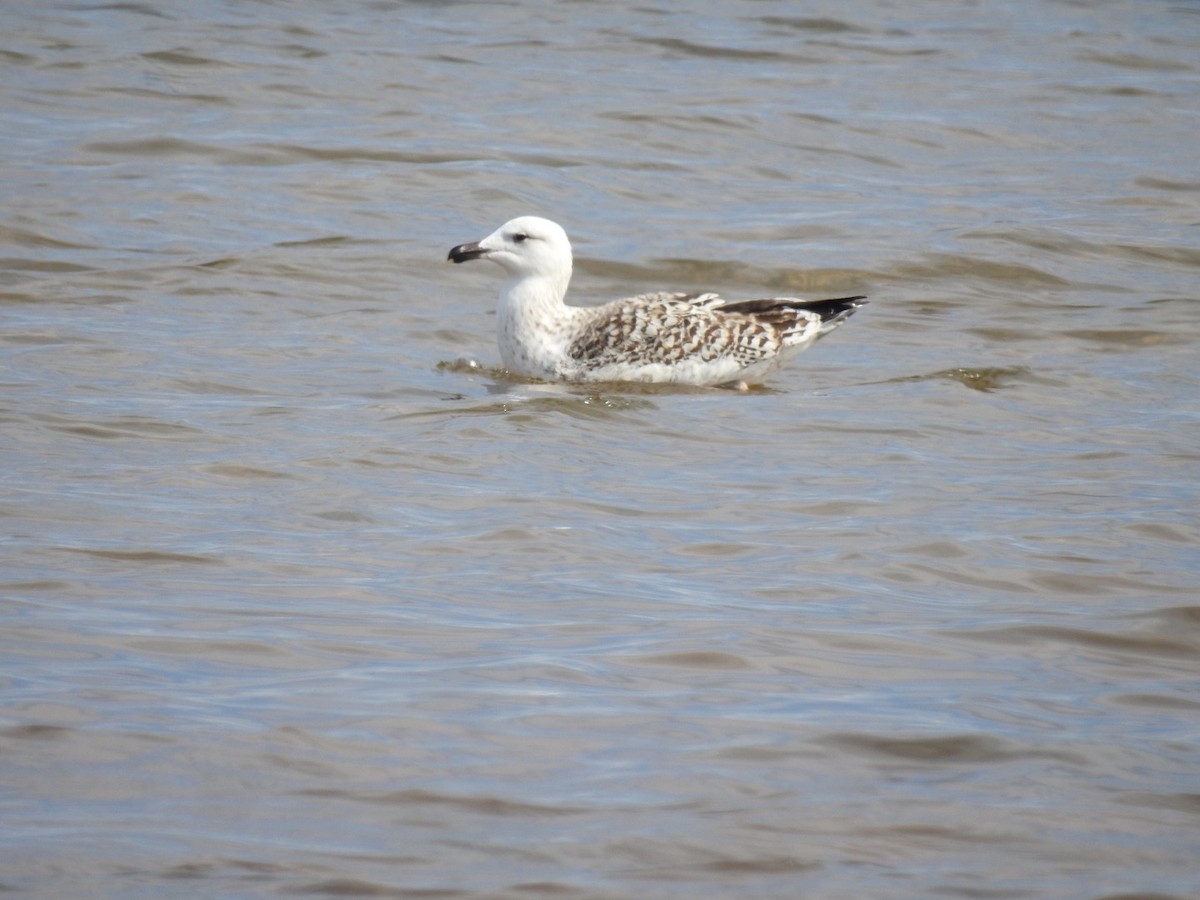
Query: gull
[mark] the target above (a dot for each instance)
(664, 337)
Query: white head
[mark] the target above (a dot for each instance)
(526, 247)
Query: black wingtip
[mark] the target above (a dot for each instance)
(837, 308)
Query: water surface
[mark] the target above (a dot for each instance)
(301, 596)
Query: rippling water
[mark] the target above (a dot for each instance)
(301, 596)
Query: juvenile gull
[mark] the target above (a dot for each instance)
(698, 339)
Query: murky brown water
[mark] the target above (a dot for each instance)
(295, 602)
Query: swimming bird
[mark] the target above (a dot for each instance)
(682, 338)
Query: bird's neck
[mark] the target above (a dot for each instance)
(534, 299)
(532, 323)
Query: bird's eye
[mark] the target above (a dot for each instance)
(520, 237)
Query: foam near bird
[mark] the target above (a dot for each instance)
(681, 338)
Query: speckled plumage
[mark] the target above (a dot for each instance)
(683, 338)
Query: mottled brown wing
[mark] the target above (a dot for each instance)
(703, 299)
(669, 328)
